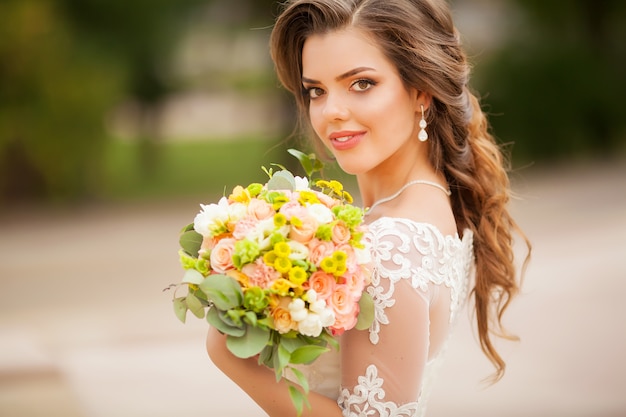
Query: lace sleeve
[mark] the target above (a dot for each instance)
(382, 370)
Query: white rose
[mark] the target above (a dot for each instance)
(298, 250)
(321, 213)
(302, 183)
(363, 255)
(237, 211)
(211, 217)
(297, 310)
(311, 325)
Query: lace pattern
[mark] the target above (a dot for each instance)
(440, 263)
(368, 399)
(440, 260)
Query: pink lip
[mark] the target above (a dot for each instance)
(339, 142)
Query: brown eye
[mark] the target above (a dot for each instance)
(315, 92)
(362, 85)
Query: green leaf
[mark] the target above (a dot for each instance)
(193, 277)
(250, 344)
(195, 306)
(309, 162)
(214, 319)
(250, 318)
(302, 379)
(307, 354)
(266, 356)
(366, 313)
(281, 360)
(224, 291)
(180, 308)
(298, 399)
(187, 228)
(190, 241)
(282, 180)
(292, 343)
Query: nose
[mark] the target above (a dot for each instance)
(335, 107)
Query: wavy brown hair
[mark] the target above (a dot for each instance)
(419, 37)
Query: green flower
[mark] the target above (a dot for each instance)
(246, 251)
(186, 261)
(255, 299)
(254, 189)
(351, 215)
(324, 232)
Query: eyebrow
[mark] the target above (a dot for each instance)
(342, 76)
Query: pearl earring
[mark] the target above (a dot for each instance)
(422, 135)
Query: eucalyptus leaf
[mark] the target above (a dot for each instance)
(266, 356)
(282, 180)
(190, 241)
(250, 344)
(250, 318)
(307, 354)
(224, 291)
(213, 318)
(195, 306)
(292, 344)
(366, 312)
(193, 277)
(187, 228)
(180, 308)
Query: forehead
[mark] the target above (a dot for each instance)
(333, 53)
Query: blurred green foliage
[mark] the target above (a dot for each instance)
(556, 90)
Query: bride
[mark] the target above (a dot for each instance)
(383, 85)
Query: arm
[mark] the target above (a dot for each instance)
(260, 383)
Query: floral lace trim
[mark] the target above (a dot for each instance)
(393, 240)
(368, 399)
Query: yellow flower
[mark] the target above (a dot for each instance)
(340, 270)
(269, 258)
(336, 186)
(347, 197)
(280, 220)
(308, 197)
(281, 286)
(328, 265)
(239, 195)
(282, 265)
(322, 184)
(242, 278)
(340, 256)
(282, 249)
(297, 275)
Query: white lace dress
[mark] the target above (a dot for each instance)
(419, 283)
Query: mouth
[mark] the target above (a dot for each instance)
(344, 140)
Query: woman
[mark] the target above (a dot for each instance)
(383, 85)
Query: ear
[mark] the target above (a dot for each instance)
(422, 98)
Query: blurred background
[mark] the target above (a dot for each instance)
(118, 118)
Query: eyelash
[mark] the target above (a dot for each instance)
(370, 83)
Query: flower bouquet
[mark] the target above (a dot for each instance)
(279, 268)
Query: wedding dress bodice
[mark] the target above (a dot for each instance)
(420, 281)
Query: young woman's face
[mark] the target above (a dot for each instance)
(359, 107)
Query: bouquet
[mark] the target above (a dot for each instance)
(279, 268)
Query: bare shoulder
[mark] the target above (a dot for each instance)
(424, 206)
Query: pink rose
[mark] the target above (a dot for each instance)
(351, 261)
(340, 233)
(327, 200)
(222, 255)
(260, 274)
(322, 283)
(244, 227)
(293, 208)
(305, 231)
(319, 249)
(355, 283)
(260, 209)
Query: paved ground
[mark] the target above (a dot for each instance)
(85, 330)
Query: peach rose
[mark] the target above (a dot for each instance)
(305, 231)
(320, 249)
(342, 301)
(340, 233)
(322, 283)
(282, 318)
(222, 255)
(355, 283)
(344, 322)
(327, 200)
(260, 209)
